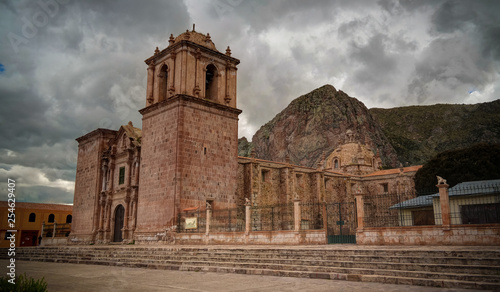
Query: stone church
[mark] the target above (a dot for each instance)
(132, 183)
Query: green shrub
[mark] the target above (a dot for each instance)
(23, 283)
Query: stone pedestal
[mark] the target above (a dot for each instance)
(444, 200)
(296, 214)
(360, 211)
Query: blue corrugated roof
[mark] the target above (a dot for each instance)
(461, 189)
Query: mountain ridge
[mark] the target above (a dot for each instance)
(314, 124)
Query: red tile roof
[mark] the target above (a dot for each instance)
(394, 170)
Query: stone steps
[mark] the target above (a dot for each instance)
(427, 267)
(317, 254)
(440, 268)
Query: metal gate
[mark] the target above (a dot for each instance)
(341, 222)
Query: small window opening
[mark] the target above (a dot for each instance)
(265, 175)
(121, 178)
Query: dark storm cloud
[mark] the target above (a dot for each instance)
(463, 53)
(79, 68)
(376, 64)
(44, 194)
(84, 67)
(481, 17)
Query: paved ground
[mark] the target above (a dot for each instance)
(73, 277)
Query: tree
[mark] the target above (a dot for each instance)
(478, 162)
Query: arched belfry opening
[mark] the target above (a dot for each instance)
(163, 75)
(211, 82)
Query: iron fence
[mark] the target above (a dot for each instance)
(269, 218)
(61, 230)
(192, 221)
(311, 216)
(226, 220)
(341, 222)
(394, 209)
(475, 203)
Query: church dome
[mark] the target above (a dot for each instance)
(353, 157)
(197, 38)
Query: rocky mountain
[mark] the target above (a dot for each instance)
(418, 133)
(315, 124)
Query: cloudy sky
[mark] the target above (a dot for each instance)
(68, 67)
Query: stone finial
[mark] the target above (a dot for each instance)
(171, 39)
(208, 38)
(187, 35)
(287, 158)
(130, 123)
(349, 136)
(441, 181)
(157, 51)
(193, 27)
(228, 51)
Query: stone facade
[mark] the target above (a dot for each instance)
(131, 184)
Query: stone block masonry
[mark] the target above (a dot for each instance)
(189, 156)
(87, 184)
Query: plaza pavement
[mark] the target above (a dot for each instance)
(79, 277)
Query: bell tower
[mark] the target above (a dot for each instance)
(191, 65)
(189, 132)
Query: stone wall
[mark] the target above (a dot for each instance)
(88, 184)
(255, 237)
(486, 234)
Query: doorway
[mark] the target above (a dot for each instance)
(119, 218)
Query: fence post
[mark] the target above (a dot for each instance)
(55, 226)
(297, 216)
(445, 204)
(360, 211)
(247, 218)
(209, 217)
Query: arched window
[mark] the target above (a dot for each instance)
(69, 218)
(163, 93)
(51, 218)
(32, 217)
(211, 82)
(336, 164)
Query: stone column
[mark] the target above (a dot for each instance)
(54, 231)
(297, 216)
(445, 204)
(150, 84)
(248, 218)
(102, 203)
(127, 211)
(360, 210)
(108, 215)
(43, 228)
(209, 217)
(104, 176)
